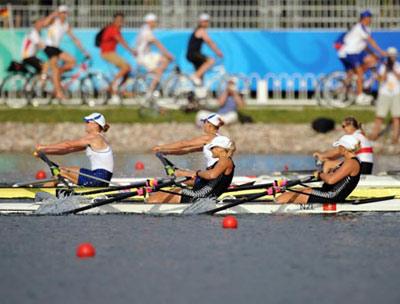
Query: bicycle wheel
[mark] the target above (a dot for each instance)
(336, 92)
(95, 89)
(134, 91)
(39, 90)
(72, 91)
(12, 91)
(179, 87)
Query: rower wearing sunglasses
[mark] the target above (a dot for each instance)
(338, 184)
(331, 158)
(97, 150)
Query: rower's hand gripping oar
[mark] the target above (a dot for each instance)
(101, 202)
(54, 168)
(169, 167)
(269, 191)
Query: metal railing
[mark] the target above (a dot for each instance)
(262, 14)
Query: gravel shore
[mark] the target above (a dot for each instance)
(140, 138)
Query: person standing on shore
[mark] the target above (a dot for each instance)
(388, 96)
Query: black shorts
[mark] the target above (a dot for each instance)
(52, 51)
(366, 168)
(34, 62)
(197, 59)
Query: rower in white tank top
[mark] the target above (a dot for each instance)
(101, 159)
(366, 153)
(56, 32)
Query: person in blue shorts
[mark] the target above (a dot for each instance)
(97, 149)
(355, 54)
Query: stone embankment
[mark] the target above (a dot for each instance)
(139, 138)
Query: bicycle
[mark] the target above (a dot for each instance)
(13, 87)
(82, 85)
(334, 90)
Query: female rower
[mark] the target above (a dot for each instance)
(211, 125)
(337, 184)
(97, 149)
(331, 157)
(208, 183)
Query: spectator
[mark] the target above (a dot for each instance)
(229, 102)
(388, 96)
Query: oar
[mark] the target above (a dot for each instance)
(370, 200)
(34, 182)
(169, 167)
(102, 202)
(252, 197)
(54, 168)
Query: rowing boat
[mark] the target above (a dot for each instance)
(392, 205)
(369, 186)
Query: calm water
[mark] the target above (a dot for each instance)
(269, 259)
(143, 259)
(23, 166)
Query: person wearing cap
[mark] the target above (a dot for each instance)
(201, 62)
(388, 96)
(211, 126)
(209, 183)
(58, 27)
(338, 184)
(97, 150)
(154, 63)
(109, 40)
(356, 56)
(230, 101)
(332, 158)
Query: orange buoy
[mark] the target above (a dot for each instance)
(229, 222)
(139, 165)
(40, 174)
(85, 250)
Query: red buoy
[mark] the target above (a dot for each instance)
(139, 165)
(229, 222)
(40, 174)
(85, 250)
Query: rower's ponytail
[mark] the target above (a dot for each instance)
(106, 127)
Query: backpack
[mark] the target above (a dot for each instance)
(99, 36)
(339, 41)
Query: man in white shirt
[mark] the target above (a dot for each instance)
(355, 55)
(388, 96)
(155, 63)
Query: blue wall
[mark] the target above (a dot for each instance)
(246, 51)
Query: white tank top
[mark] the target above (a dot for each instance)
(56, 32)
(101, 159)
(366, 153)
(30, 45)
(210, 161)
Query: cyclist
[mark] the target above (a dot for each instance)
(355, 54)
(110, 37)
(201, 62)
(154, 63)
(32, 43)
(57, 29)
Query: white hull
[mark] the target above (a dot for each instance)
(248, 208)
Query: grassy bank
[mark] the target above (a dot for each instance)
(131, 115)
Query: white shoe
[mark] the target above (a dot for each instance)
(114, 100)
(196, 80)
(364, 99)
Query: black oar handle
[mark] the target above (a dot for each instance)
(168, 165)
(146, 183)
(44, 158)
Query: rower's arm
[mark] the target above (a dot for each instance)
(213, 173)
(183, 146)
(330, 154)
(345, 170)
(64, 147)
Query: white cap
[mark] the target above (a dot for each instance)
(392, 51)
(214, 119)
(222, 142)
(349, 142)
(204, 17)
(150, 17)
(63, 9)
(97, 118)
